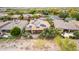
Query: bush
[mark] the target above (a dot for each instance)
(5, 18)
(35, 16)
(63, 14)
(49, 33)
(32, 11)
(66, 44)
(50, 21)
(27, 35)
(16, 31)
(76, 34)
(21, 17)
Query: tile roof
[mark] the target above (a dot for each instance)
(21, 24)
(37, 25)
(66, 25)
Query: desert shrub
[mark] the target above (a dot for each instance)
(76, 34)
(49, 33)
(27, 35)
(50, 21)
(16, 31)
(32, 11)
(5, 18)
(21, 17)
(35, 16)
(66, 44)
(63, 14)
(45, 12)
(74, 14)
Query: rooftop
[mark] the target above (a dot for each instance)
(15, 16)
(71, 25)
(4, 23)
(55, 17)
(21, 24)
(37, 24)
(3, 14)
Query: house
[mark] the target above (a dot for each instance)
(37, 25)
(67, 27)
(42, 18)
(40, 15)
(69, 19)
(70, 25)
(20, 23)
(15, 16)
(27, 16)
(3, 14)
(54, 17)
(2, 24)
(2, 9)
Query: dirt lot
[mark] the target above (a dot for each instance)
(27, 45)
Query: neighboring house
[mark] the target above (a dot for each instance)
(40, 15)
(54, 17)
(15, 16)
(2, 9)
(27, 16)
(3, 14)
(71, 25)
(20, 23)
(42, 18)
(69, 19)
(2, 24)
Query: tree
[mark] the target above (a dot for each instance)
(55, 11)
(63, 14)
(36, 16)
(11, 13)
(32, 11)
(21, 17)
(76, 34)
(16, 31)
(45, 12)
(5, 18)
(74, 14)
(50, 21)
